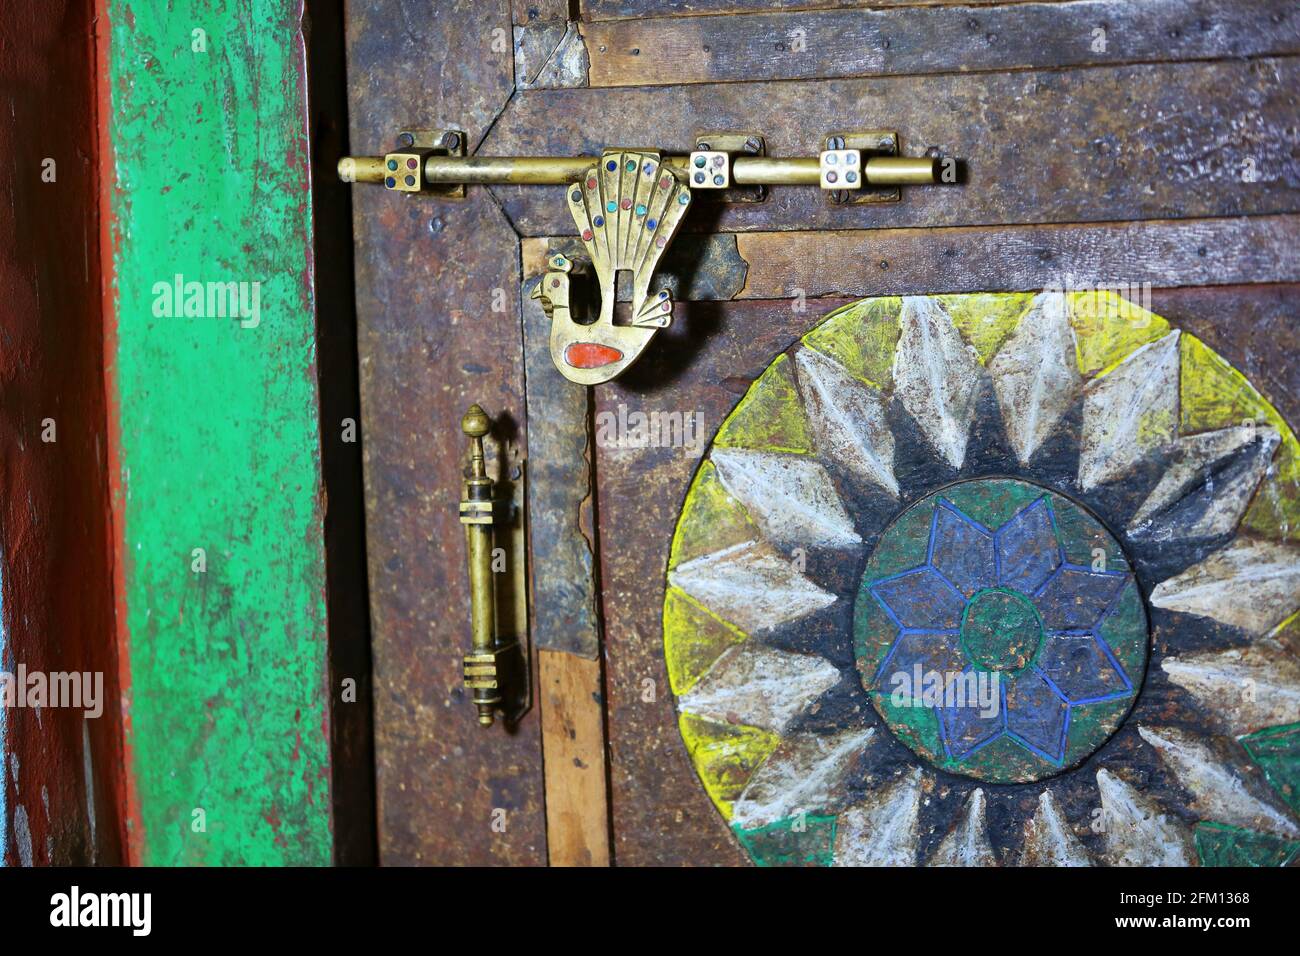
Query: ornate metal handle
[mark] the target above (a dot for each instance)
(627, 204)
(485, 664)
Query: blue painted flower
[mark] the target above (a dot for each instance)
(1007, 602)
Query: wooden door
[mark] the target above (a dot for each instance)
(1151, 147)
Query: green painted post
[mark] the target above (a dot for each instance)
(217, 438)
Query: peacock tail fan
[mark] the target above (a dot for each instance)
(627, 209)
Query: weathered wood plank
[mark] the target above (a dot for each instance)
(613, 9)
(573, 738)
(430, 341)
(61, 798)
(1079, 145)
(917, 261)
(977, 259)
(565, 615)
(933, 39)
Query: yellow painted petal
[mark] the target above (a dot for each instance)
(1108, 328)
(725, 756)
(1214, 395)
(861, 337)
(694, 638)
(711, 519)
(770, 417)
(986, 320)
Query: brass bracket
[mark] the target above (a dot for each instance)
(732, 144)
(871, 142)
(404, 167)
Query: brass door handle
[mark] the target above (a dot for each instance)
(493, 663)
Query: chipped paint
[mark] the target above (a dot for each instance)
(848, 419)
(936, 376)
(1136, 832)
(1247, 688)
(967, 844)
(216, 441)
(882, 831)
(806, 774)
(1218, 792)
(750, 586)
(1208, 484)
(759, 687)
(1034, 375)
(1254, 585)
(1130, 413)
(791, 498)
(1048, 839)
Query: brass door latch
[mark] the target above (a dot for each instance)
(495, 669)
(628, 204)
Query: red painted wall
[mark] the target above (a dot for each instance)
(55, 557)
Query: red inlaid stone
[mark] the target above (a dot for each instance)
(590, 355)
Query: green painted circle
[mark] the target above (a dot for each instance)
(999, 630)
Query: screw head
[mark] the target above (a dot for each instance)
(450, 139)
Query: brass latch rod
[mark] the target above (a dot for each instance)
(562, 170)
(627, 204)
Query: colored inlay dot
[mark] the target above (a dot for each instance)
(640, 209)
(699, 177)
(631, 165)
(719, 180)
(989, 639)
(586, 235)
(651, 223)
(591, 182)
(392, 164)
(611, 206)
(411, 164)
(648, 168)
(576, 196)
(611, 165)
(598, 221)
(684, 198)
(390, 182)
(410, 180)
(700, 162)
(626, 204)
(665, 183)
(1000, 630)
